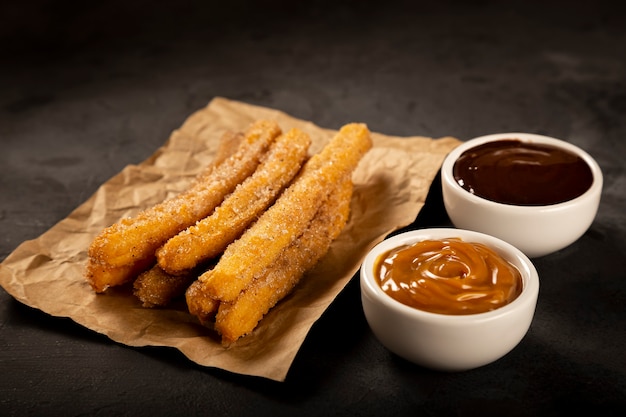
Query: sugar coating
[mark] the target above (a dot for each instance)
(157, 288)
(236, 319)
(211, 235)
(246, 258)
(132, 241)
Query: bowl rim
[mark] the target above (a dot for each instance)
(530, 277)
(447, 175)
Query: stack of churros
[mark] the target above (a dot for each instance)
(243, 235)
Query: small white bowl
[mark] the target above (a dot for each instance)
(536, 230)
(441, 341)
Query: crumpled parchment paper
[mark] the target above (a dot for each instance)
(391, 184)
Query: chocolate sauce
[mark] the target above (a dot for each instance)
(510, 171)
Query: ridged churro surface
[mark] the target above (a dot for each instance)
(200, 304)
(121, 250)
(243, 235)
(236, 319)
(157, 288)
(210, 236)
(246, 258)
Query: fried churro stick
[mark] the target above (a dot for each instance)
(123, 249)
(200, 304)
(239, 318)
(211, 235)
(246, 258)
(157, 288)
(108, 274)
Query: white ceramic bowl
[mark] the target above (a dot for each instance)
(441, 341)
(536, 230)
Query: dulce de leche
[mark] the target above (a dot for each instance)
(448, 276)
(510, 171)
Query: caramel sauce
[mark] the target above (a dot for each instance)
(510, 171)
(448, 276)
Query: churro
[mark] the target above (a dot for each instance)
(157, 288)
(246, 258)
(261, 215)
(239, 318)
(210, 236)
(200, 304)
(122, 250)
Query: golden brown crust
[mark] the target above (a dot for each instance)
(157, 288)
(116, 254)
(261, 244)
(210, 236)
(259, 213)
(200, 304)
(240, 317)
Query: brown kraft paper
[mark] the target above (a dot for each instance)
(47, 273)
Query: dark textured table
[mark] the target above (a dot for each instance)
(89, 88)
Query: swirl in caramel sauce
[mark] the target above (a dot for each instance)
(510, 171)
(448, 276)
